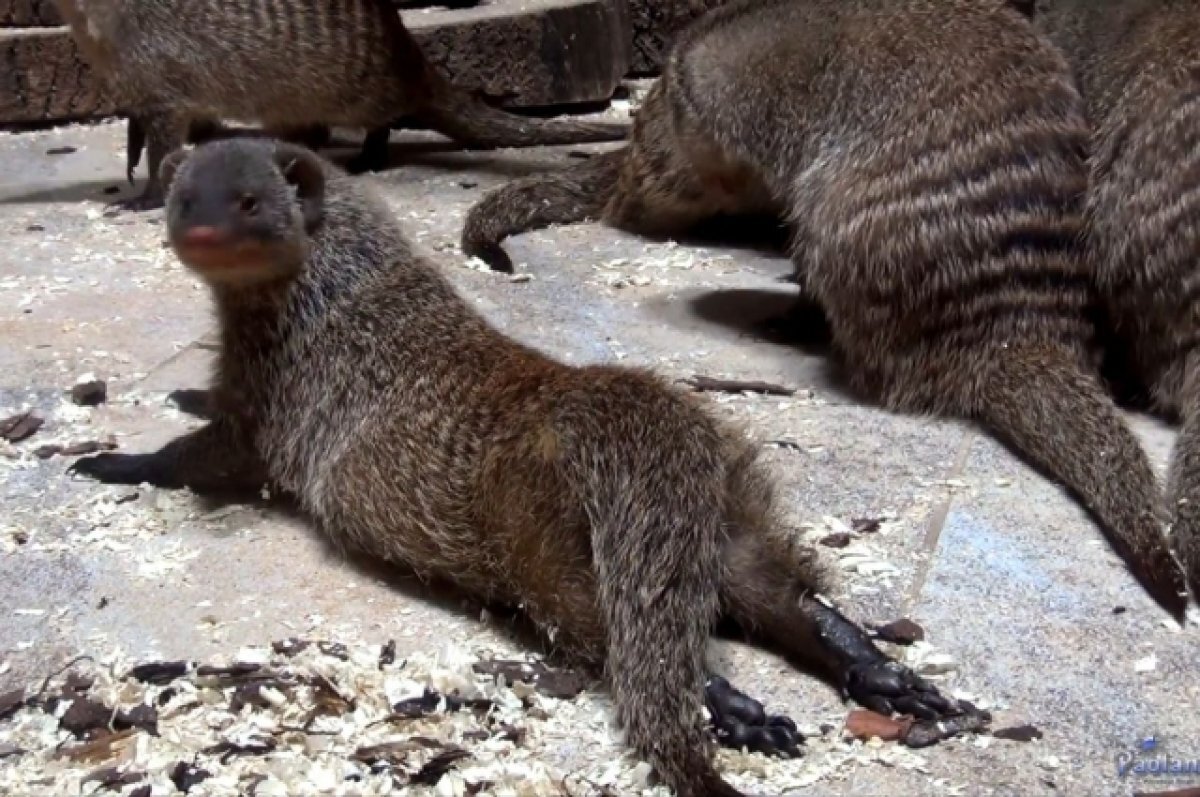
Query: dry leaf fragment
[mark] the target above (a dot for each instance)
(838, 539)
(112, 778)
(865, 525)
(387, 654)
(100, 750)
(701, 383)
(559, 684)
(90, 394)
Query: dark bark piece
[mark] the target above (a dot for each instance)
(84, 716)
(416, 707)
(838, 539)
(90, 394)
(290, 647)
(9, 750)
(185, 776)
(11, 702)
(159, 673)
(865, 525)
(439, 765)
(900, 632)
(1019, 733)
(16, 428)
(387, 654)
(712, 384)
(559, 684)
(228, 750)
(655, 24)
(112, 778)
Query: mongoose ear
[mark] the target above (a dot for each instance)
(303, 169)
(168, 167)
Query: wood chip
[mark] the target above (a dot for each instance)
(559, 684)
(863, 724)
(158, 672)
(439, 765)
(185, 776)
(864, 525)
(11, 703)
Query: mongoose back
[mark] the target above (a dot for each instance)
(1137, 63)
(929, 155)
(288, 64)
(613, 509)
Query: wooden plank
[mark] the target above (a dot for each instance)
(43, 78)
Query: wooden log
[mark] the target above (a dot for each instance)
(28, 14)
(655, 23)
(524, 53)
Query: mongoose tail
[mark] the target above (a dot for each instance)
(1042, 402)
(658, 619)
(465, 117)
(576, 193)
(1183, 488)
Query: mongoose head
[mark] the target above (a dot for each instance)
(239, 211)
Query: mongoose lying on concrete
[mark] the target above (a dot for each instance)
(289, 64)
(929, 155)
(1137, 63)
(614, 510)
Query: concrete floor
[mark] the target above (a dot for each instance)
(1001, 568)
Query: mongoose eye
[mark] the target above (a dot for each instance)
(248, 203)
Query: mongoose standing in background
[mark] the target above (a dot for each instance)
(929, 155)
(289, 64)
(1137, 63)
(614, 510)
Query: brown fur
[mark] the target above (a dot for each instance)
(613, 509)
(289, 64)
(1137, 63)
(929, 156)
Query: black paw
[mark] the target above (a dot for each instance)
(115, 468)
(740, 722)
(888, 687)
(491, 253)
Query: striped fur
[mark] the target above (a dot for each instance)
(1137, 63)
(613, 509)
(288, 64)
(929, 155)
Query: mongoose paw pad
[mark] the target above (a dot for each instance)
(741, 722)
(888, 687)
(113, 468)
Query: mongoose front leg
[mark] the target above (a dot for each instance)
(164, 132)
(373, 157)
(740, 722)
(212, 458)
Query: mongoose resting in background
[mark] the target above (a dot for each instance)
(1137, 63)
(288, 64)
(614, 510)
(929, 156)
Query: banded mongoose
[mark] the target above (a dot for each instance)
(614, 510)
(288, 64)
(1137, 63)
(929, 156)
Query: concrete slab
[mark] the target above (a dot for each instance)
(1003, 571)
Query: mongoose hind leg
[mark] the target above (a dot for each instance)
(771, 594)
(164, 131)
(373, 157)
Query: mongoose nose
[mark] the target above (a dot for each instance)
(203, 235)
